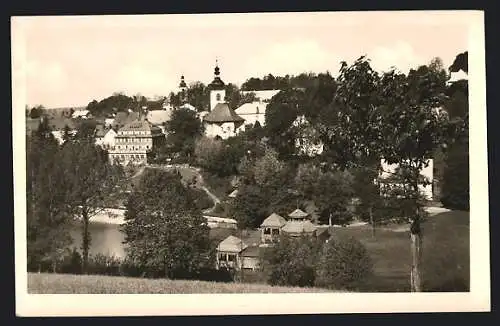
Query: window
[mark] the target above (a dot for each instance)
(275, 231)
(231, 257)
(217, 97)
(267, 231)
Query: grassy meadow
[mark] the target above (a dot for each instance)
(93, 284)
(445, 254)
(445, 265)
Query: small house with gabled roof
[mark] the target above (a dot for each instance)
(270, 228)
(229, 253)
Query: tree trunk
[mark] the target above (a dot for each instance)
(85, 242)
(372, 222)
(54, 266)
(416, 253)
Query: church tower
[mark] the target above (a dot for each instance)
(217, 89)
(183, 91)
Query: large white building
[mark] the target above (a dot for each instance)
(253, 112)
(135, 141)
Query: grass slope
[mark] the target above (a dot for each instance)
(445, 254)
(92, 284)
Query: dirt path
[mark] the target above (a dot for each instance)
(200, 183)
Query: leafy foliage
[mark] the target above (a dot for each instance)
(164, 229)
(343, 264)
(292, 262)
(48, 215)
(89, 180)
(182, 130)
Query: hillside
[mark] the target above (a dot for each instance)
(91, 284)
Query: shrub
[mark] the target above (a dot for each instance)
(291, 262)
(455, 191)
(343, 264)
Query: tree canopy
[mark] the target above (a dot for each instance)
(164, 228)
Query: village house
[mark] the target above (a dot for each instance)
(81, 114)
(104, 136)
(135, 141)
(235, 253)
(271, 228)
(307, 141)
(252, 113)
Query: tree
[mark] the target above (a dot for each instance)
(291, 262)
(48, 215)
(371, 205)
(414, 129)
(281, 112)
(343, 264)
(455, 189)
(182, 130)
(164, 229)
(91, 180)
(67, 136)
(207, 152)
(330, 191)
(198, 95)
(36, 112)
(460, 63)
(264, 189)
(393, 117)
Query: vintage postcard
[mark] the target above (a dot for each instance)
(253, 163)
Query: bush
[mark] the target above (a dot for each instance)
(291, 262)
(343, 264)
(455, 191)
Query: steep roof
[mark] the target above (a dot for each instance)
(273, 220)
(222, 113)
(141, 125)
(298, 213)
(251, 108)
(298, 227)
(231, 244)
(122, 118)
(253, 251)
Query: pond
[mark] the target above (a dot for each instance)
(106, 239)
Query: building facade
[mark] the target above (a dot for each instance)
(134, 142)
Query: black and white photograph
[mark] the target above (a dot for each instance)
(250, 163)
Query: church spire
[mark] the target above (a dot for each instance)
(217, 83)
(183, 83)
(216, 70)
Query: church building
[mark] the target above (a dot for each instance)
(221, 122)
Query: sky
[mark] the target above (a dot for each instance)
(71, 60)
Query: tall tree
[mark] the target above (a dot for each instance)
(198, 95)
(164, 229)
(280, 114)
(48, 215)
(182, 130)
(91, 181)
(394, 117)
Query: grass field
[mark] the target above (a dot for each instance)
(445, 254)
(91, 284)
